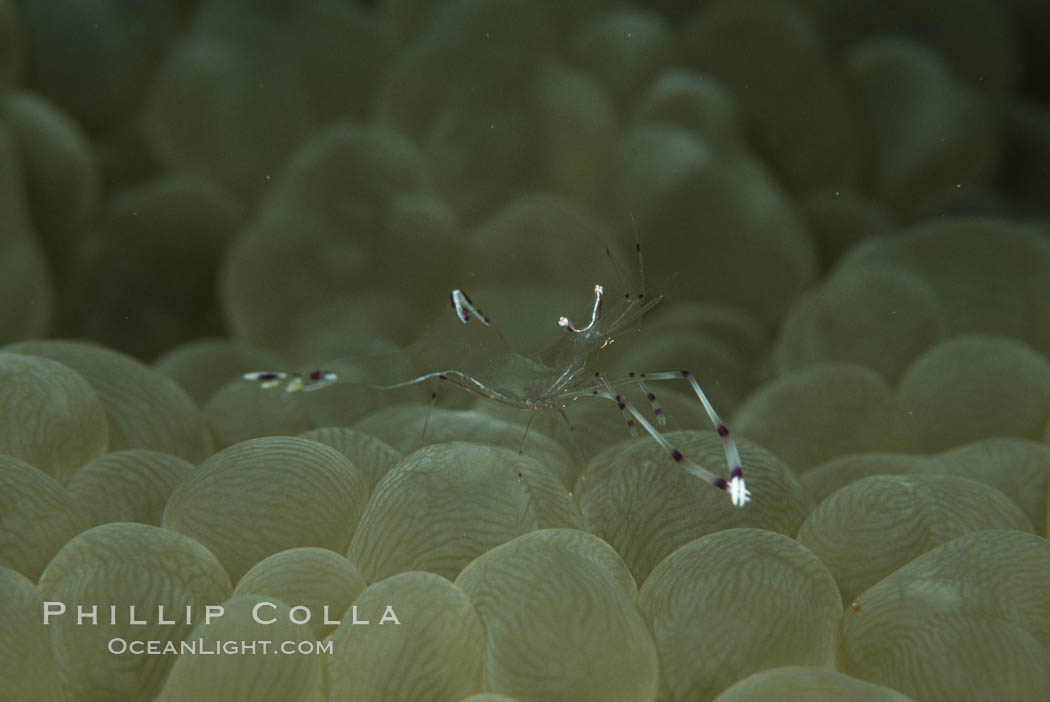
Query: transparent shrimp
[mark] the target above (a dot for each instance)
(557, 377)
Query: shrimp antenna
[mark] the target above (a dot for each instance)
(638, 251)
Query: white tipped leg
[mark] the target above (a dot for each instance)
(464, 307)
(738, 493)
(737, 488)
(266, 379)
(293, 382)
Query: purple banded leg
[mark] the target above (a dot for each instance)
(463, 307)
(620, 401)
(739, 494)
(293, 382)
(736, 486)
(658, 411)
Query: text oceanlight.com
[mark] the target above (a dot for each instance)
(205, 647)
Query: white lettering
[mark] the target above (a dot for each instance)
(131, 617)
(160, 616)
(54, 609)
(301, 608)
(255, 612)
(81, 616)
(213, 612)
(389, 616)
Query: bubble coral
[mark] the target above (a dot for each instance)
(369, 453)
(38, 517)
(27, 666)
(921, 163)
(402, 427)
(262, 496)
(806, 684)
(62, 173)
(449, 503)
(989, 275)
(1019, 468)
(573, 634)
(974, 387)
(144, 408)
(349, 212)
(53, 419)
(127, 486)
(26, 285)
(969, 620)
(436, 652)
(824, 479)
(12, 41)
(203, 366)
(702, 600)
(113, 567)
(821, 411)
(877, 317)
(238, 411)
(790, 98)
(646, 506)
(154, 243)
(717, 215)
(306, 577)
(249, 677)
(872, 527)
(99, 77)
(622, 48)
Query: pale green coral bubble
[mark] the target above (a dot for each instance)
(969, 620)
(644, 504)
(561, 622)
(872, 527)
(27, 666)
(824, 410)
(203, 366)
(402, 426)
(112, 568)
(39, 516)
(703, 603)
(266, 495)
(288, 669)
(369, 453)
(53, 418)
(975, 387)
(423, 640)
(317, 578)
(145, 409)
(447, 504)
(127, 486)
(806, 684)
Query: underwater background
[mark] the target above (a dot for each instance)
(832, 213)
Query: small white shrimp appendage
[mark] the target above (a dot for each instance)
(292, 382)
(738, 492)
(463, 307)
